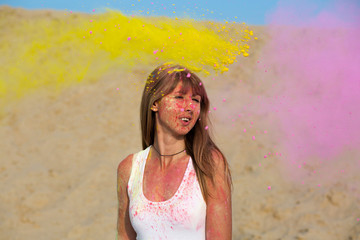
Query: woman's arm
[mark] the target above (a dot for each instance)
(124, 229)
(218, 210)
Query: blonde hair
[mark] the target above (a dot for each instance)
(198, 143)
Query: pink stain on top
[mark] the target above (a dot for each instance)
(182, 213)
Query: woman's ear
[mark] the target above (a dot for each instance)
(154, 107)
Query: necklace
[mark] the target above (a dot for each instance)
(167, 155)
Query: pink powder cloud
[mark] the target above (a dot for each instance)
(317, 58)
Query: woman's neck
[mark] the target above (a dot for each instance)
(166, 146)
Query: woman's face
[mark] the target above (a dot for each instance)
(175, 106)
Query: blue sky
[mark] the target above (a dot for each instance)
(253, 12)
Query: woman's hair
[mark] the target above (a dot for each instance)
(198, 143)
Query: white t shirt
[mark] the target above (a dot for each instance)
(182, 217)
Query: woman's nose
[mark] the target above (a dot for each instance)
(189, 105)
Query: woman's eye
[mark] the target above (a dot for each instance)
(180, 97)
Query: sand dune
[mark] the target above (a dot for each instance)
(59, 154)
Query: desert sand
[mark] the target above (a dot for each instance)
(59, 155)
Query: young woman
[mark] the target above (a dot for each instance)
(179, 185)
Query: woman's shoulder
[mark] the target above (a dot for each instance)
(124, 167)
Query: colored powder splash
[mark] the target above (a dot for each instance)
(57, 49)
(299, 105)
(316, 91)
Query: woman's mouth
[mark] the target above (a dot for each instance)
(185, 121)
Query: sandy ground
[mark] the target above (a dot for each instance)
(58, 160)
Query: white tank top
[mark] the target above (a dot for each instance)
(180, 217)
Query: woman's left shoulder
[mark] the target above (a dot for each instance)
(218, 160)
